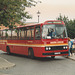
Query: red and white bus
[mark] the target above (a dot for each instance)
(36, 40)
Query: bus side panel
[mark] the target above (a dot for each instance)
(18, 47)
(3, 47)
(11, 48)
(38, 51)
(20, 50)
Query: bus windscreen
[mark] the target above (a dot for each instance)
(54, 31)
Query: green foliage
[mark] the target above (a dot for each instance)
(70, 24)
(12, 11)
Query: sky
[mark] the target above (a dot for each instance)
(50, 10)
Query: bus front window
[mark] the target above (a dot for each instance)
(61, 31)
(54, 31)
(48, 31)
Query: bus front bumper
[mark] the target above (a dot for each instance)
(55, 54)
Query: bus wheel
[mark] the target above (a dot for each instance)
(8, 51)
(30, 53)
(52, 57)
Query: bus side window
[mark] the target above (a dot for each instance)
(1, 34)
(28, 33)
(22, 33)
(8, 34)
(32, 33)
(37, 32)
(25, 33)
(14, 34)
(4, 34)
(19, 33)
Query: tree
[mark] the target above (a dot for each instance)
(12, 11)
(63, 18)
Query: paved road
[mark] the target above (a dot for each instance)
(39, 66)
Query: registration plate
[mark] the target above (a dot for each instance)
(57, 53)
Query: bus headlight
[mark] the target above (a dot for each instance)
(64, 47)
(48, 48)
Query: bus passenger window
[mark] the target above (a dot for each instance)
(14, 34)
(8, 34)
(28, 34)
(1, 34)
(32, 33)
(25, 34)
(19, 34)
(22, 33)
(37, 33)
(4, 34)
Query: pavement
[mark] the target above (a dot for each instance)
(4, 64)
(3, 74)
(72, 57)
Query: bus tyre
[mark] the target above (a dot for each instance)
(8, 51)
(30, 53)
(52, 57)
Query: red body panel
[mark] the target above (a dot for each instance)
(38, 46)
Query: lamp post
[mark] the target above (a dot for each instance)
(38, 13)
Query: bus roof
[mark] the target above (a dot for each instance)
(54, 22)
(29, 25)
(46, 22)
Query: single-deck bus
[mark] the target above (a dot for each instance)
(36, 40)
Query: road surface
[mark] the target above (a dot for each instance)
(39, 66)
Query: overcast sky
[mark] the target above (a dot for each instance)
(50, 10)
